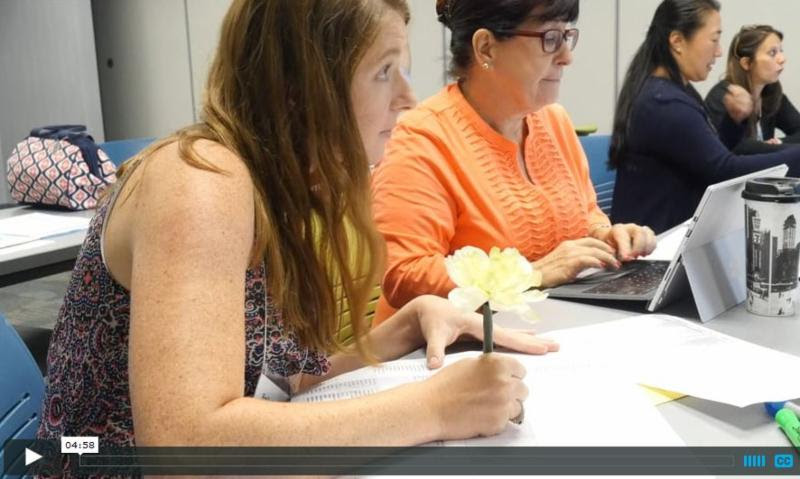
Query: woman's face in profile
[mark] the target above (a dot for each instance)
(381, 89)
(767, 63)
(530, 76)
(696, 55)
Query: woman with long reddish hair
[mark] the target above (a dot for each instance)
(211, 276)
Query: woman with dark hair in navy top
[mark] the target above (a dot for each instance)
(663, 146)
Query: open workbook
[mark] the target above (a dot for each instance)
(589, 393)
(563, 408)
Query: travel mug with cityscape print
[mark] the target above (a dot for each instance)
(771, 213)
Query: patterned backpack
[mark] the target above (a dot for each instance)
(61, 166)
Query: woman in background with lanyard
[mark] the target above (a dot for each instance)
(749, 104)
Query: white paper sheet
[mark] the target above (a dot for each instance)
(678, 355)
(42, 225)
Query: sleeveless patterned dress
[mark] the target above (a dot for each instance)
(87, 391)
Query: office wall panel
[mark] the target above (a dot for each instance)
(204, 20)
(426, 41)
(48, 70)
(634, 19)
(5, 195)
(143, 62)
(587, 88)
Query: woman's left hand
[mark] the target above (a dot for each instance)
(442, 324)
(629, 240)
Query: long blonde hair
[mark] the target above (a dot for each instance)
(278, 95)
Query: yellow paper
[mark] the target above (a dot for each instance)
(660, 396)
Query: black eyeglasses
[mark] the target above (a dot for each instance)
(551, 39)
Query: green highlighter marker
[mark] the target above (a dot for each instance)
(788, 421)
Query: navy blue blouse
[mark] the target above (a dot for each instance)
(673, 154)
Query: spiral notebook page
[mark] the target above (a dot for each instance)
(555, 411)
(368, 380)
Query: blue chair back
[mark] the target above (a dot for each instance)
(596, 149)
(21, 390)
(121, 150)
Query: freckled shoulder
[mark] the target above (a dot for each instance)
(166, 177)
(201, 206)
(168, 204)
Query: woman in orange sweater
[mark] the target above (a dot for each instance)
(492, 161)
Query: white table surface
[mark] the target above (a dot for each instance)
(698, 422)
(26, 259)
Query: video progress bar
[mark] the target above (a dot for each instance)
(258, 460)
(421, 460)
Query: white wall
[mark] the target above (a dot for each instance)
(587, 88)
(427, 43)
(48, 71)
(634, 20)
(204, 20)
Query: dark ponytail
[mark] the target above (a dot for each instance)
(442, 12)
(684, 16)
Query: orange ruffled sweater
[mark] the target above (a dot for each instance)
(449, 180)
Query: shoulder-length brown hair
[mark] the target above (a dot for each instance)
(278, 95)
(745, 44)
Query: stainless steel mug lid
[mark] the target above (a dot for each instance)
(774, 190)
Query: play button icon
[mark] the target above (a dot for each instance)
(31, 457)
(27, 457)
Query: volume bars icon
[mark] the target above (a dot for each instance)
(754, 460)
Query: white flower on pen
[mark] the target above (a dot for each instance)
(504, 279)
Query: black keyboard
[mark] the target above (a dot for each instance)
(634, 278)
